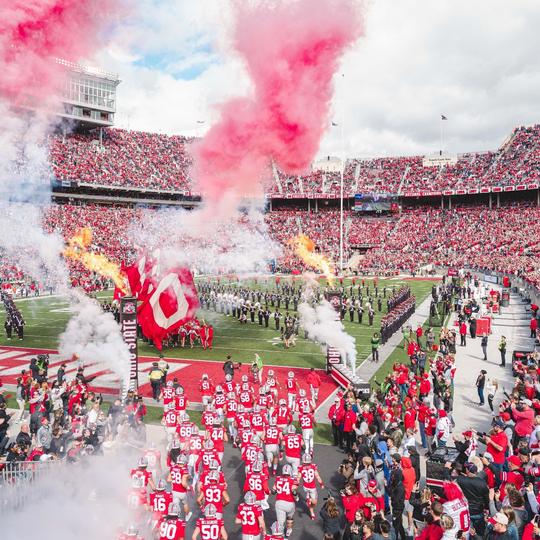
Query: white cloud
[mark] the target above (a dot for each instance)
(476, 62)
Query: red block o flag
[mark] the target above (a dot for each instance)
(171, 301)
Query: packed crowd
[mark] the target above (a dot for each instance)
(477, 485)
(132, 159)
(460, 237)
(155, 161)
(417, 238)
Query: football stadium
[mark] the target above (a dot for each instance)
(269, 270)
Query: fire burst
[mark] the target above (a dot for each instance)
(305, 249)
(77, 250)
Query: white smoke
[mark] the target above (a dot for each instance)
(87, 501)
(94, 336)
(24, 193)
(237, 243)
(322, 325)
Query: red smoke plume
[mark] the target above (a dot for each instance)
(291, 50)
(34, 32)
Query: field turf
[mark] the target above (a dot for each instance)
(46, 318)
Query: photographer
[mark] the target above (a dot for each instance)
(331, 517)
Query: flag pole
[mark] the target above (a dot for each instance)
(441, 144)
(341, 189)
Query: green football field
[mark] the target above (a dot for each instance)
(46, 318)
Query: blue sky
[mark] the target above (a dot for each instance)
(476, 62)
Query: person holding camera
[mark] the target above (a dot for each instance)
(331, 516)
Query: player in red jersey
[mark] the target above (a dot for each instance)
(272, 438)
(180, 399)
(196, 444)
(309, 474)
(257, 482)
(217, 434)
(207, 417)
(183, 429)
(258, 420)
(272, 384)
(293, 443)
(286, 490)
(214, 466)
(242, 415)
(167, 394)
(251, 450)
(251, 517)
(212, 492)
(142, 472)
(172, 525)
(159, 502)
(229, 386)
(292, 389)
(207, 455)
(206, 388)
(210, 527)
(170, 420)
(303, 402)
(179, 479)
(219, 401)
(276, 532)
(245, 433)
(231, 408)
(307, 422)
(245, 397)
(153, 458)
(137, 499)
(283, 415)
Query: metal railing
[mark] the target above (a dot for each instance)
(19, 480)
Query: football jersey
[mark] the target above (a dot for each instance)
(232, 407)
(258, 421)
(170, 418)
(217, 436)
(213, 493)
(181, 402)
(184, 431)
(250, 453)
(153, 456)
(306, 421)
(293, 445)
(159, 503)
(246, 399)
(303, 403)
(219, 400)
(196, 444)
(177, 473)
(257, 483)
(249, 515)
(271, 435)
(206, 387)
(168, 395)
(171, 529)
(284, 486)
(136, 498)
(283, 416)
(206, 457)
(458, 510)
(141, 473)
(291, 386)
(307, 473)
(210, 528)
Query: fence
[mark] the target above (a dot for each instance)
(19, 480)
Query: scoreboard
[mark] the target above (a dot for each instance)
(376, 202)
